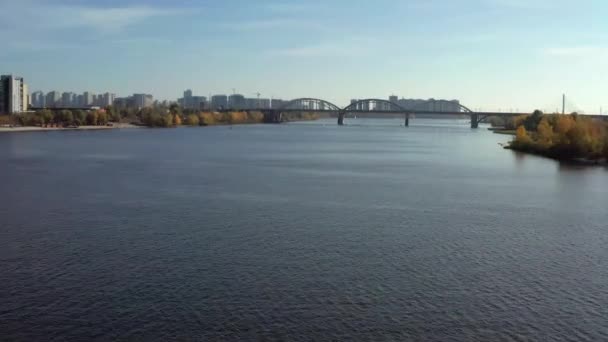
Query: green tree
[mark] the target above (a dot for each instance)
(45, 116)
(92, 118)
(102, 118)
(155, 117)
(29, 119)
(113, 113)
(532, 121)
(67, 118)
(57, 118)
(80, 117)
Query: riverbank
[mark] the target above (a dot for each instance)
(502, 130)
(16, 129)
(570, 138)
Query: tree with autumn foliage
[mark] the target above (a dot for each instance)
(562, 136)
(177, 120)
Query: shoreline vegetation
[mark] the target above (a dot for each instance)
(110, 117)
(563, 137)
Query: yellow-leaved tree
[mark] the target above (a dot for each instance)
(564, 124)
(545, 133)
(177, 120)
(522, 140)
(192, 120)
(206, 119)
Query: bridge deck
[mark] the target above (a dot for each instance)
(414, 112)
(288, 110)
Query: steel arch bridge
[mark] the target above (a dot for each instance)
(308, 103)
(372, 105)
(420, 107)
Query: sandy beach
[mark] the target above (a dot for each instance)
(80, 128)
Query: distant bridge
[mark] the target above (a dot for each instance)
(371, 106)
(380, 106)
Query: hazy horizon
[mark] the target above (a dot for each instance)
(489, 54)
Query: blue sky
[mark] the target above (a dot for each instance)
(490, 54)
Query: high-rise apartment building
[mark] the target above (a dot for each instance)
(53, 99)
(38, 100)
(219, 101)
(14, 96)
(237, 101)
(430, 105)
(25, 96)
(190, 101)
(67, 100)
(87, 99)
(106, 99)
(255, 103)
(143, 100)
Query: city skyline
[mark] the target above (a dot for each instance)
(69, 99)
(471, 50)
(40, 99)
(57, 99)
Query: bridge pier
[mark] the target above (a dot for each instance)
(341, 118)
(407, 119)
(272, 116)
(474, 120)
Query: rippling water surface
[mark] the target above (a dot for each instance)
(303, 231)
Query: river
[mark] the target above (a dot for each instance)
(300, 231)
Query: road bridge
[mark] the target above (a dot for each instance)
(372, 106)
(380, 106)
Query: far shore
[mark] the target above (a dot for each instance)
(79, 128)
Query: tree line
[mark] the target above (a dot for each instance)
(174, 116)
(159, 116)
(64, 118)
(560, 136)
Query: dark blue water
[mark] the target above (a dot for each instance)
(298, 232)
